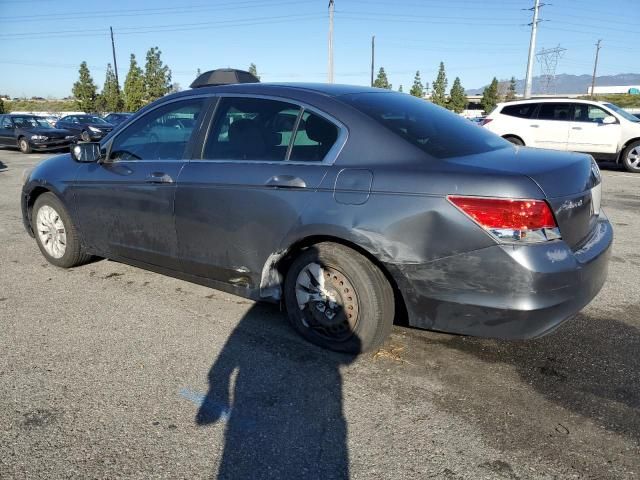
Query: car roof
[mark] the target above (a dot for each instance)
(552, 100)
(328, 89)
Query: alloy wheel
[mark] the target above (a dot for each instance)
(633, 157)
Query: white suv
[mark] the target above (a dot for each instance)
(602, 129)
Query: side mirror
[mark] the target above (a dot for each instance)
(609, 120)
(86, 152)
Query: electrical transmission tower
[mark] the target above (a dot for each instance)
(548, 59)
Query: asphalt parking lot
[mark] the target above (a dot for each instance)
(110, 371)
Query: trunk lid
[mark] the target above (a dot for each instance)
(570, 183)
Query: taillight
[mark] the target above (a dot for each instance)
(510, 219)
(486, 120)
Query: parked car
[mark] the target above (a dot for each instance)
(368, 204)
(601, 129)
(87, 127)
(637, 115)
(117, 118)
(29, 132)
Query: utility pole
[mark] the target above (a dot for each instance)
(115, 63)
(532, 47)
(595, 67)
(330, 69)
(373, 56)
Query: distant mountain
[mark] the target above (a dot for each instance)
(566, 84)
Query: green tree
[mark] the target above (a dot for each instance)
(457, 97)
(381, 80)
(84, 90)
(439, 91)
(253, 70)
(2, 110)
(490, 96)
(417, 90)
(134, 88)
(400, 88)
(111, 97)
(157, 76)
(511, 93)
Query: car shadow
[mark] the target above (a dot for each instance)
(281, 401)
(3, 167)
(590, 366)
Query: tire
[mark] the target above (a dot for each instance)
(356, 287)
(24, 145)
(85, 136)
(514, 140)
(52, 211)
(631, 157)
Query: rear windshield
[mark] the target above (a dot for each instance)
(434, 130)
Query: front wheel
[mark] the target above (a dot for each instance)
(85, 136)
(24, 145)
(56, 235)
(631, 157)
(338, 299)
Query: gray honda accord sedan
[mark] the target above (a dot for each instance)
(350, 205)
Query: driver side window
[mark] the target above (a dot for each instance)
(161, 134)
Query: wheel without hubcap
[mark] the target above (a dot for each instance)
(338, 299)
(328, 302)
(51, 231)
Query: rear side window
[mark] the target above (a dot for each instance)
(314, 138)
(251, 129)
(259, 129)
(524, 110)
(436, 131)
(554, 111)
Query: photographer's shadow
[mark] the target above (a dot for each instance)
(281, 399)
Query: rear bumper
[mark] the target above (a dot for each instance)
(509, 292)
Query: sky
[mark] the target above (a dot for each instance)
(44, 41)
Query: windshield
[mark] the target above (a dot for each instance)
(439, 133)
(30, 122)
(623, 113)
(91, 119)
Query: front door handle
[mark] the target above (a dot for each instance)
(576, 128)
(285, 181)
(534, 126)
(159, 177)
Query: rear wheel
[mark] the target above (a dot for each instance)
(338, 299)
(631, 157)
(24, 146)
(514, 140)
(56, 235)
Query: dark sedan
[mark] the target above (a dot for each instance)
(350, 205)
(116, 118)
(29, 132)
(87, 127)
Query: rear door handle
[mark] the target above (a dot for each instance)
(285, 181)
(159, 177)
(576, 128)
(534, 126)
